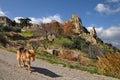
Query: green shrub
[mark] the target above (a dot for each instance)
(1, 28)
(11, 28)
(92, 51)
(79, 43)
(63, 42)
(3, 39)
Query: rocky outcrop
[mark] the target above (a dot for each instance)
(51, 37)
(77, 22)
(93, 32)
(92, 40)
(77, 25)
(93, 36)
(82, 31)
(5, 21)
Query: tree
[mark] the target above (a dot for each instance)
(25, 22)
(14, 23)
(79, 43)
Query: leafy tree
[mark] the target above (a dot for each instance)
(25, 22)
(14, 23)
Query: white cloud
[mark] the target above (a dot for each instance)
(2, 13)
(46, 19)
(99, 30)
(102, 8)
(114, 1)
(35, 20)
(112, 32)
(110, 35)
(42, 20)
(17, 19)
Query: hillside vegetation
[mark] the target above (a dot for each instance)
(68, 43)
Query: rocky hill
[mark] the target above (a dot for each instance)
(82, 31)
(73, 35)
(73, 31)
(68, 43)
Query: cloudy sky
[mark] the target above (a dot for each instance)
(104, 15)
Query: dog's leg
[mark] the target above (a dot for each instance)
(23, 63)
(28, 62)
(23, 59)
(18, 58)
(33, 58)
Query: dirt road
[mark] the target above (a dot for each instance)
(41, 70)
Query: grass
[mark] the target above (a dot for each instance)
(48, 57)
(61, 42)
(27, 33)
(8, 49)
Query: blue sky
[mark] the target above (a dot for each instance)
(104, 15)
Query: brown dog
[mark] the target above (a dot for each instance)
(25, 55)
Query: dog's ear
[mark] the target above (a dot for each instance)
(29, 52)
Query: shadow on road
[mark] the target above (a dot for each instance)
(45, 72)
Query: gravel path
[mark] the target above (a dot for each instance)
(41, 70)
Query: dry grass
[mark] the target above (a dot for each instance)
(109, 65)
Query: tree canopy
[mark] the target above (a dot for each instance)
(25, 22)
